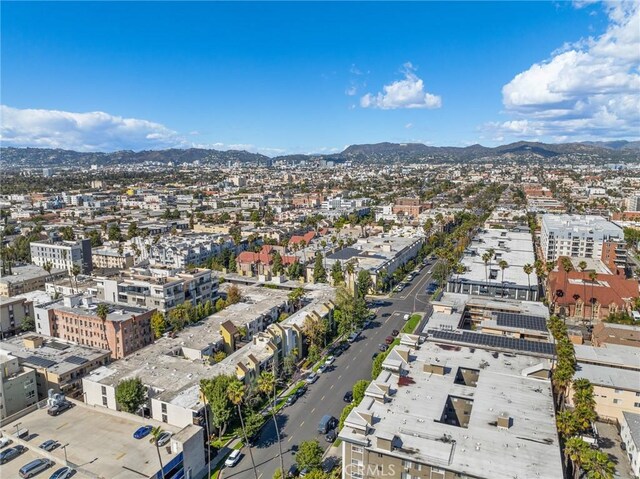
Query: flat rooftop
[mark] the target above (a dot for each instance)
(412, 417)
(101, 442)
(56, 355)
(26, 273)
(616, 355)
(581, 224)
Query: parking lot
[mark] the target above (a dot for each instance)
(11, 468)
(99, 443)
(609, 441)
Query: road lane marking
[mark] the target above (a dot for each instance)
(347, 366)
(338, 378)
(301, 423)
(332, 385)
(309, 413)
(322, 398)
(290, 437)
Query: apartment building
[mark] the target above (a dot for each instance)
(105, 258)
(180, 251)
(630, 434)
(125, 330)
(63, 254)
(443, 412)
(12, 313)
(25, 279)
(150, 289)
(58, 365)
(17, 386)
(576, 236)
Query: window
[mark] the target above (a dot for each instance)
(30, 394)
(617, 401)
(407, 464)
(104, 389)
(164, 408)
(164, 418)
(104, 401)
(357, 449)
(636, 404)
(618, 391)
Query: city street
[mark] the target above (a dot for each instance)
(299, 422)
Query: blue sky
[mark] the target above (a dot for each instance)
(315, 77)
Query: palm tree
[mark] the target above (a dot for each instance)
(350, 270)
(102, 311)
(582, 265)
(156, 432)
(528, 269)
(593, 276)
(75, 271)
(576, 451)
(267, 385)
(486, 257)
(503, 265)
(235, 393)
(48, 266)
(206, 425)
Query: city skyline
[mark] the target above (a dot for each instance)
(314, 78)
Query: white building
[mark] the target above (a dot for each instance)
(630, 434)
(63, 255)
(576, 235)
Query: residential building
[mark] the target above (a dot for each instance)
(515, 247)
(125, 330)
(611, 333)
(630, 434)
(12, 313)
(443, 412)
(576, 235)
(27, 278)
(261, 264)
(63, 254)
(18, 388)
(181, 251)
(105, 258)
(59, 365)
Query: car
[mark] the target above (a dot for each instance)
(142, 432)
(164, 438)
(383, 347)
(431, 288)
(395, 332)
(623, 446)
(11, 453)
(291, 399)
(35, 467)
(398, 288)
(59, 408)
(345, 346)
(49, 445)
(389, 339)
(348, 396)
(329, 464)
(374, 356)
(327, 423)
(301, 390)
(4, 441)
(233, 458)
(323, 367)
(331, 436)
(293, 471)
(338, 351)
(312, 378)
(63, 473)
(329, 360)
(353, 336)
(304, 472)
(406, 317)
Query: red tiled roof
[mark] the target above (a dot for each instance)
(608, 289)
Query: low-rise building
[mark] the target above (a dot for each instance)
(105, 258)
(13, 311)
(630, 434)
(63, 255)
(59, 365)
(18, 388)
(25, 279)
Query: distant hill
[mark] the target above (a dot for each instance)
(378, 152)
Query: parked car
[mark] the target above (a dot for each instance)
(301, 390)
(399, 288)
(164, 438)
(329, 360)
(329, 464)
(348, 396)
(11, 453)
(59, 408)
(406, 317)
(291, 400)
(389, 339)
(327, 423)
(49, 445)
(395, 332)
(233, 458)
(4, 441)
(323, 367)
(35, 467)
(331, 436)
(431, 288)
(304, 472)
(142, 432)
(293, 471)
(312, 378)
(353, 336)
(374, 356)
(63, 473)
(383, 348)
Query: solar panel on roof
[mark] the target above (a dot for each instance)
(57, 345)
(76, 360)
(494, 341)
(40, 362)
(513, 320)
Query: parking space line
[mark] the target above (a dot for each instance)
(331, 386)
(309, 413)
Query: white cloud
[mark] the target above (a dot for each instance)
(408, 125)
(407, 93)
(352, 90)
(587, 89)
(92, 131)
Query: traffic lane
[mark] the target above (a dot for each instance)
(416, 285)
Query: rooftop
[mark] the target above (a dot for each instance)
(413, 417)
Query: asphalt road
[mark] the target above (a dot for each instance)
(299, 422)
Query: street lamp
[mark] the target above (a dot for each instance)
(17, 426)
(66, 462)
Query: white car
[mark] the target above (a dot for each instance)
(329, 361)
(164, 438)
(406, 317)
(233, 458)
(4, 441)
(312, 378)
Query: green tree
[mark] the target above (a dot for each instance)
(220, 304)
(158, 324)
(319, 272)
(219, 356)
(267, 386)
(358, 390)
(236, 394)
(377, 365)
(364, 283)
(27, 323)
(132, 230)
(156, 432)
(114, 233)
(130, 395)
(276, 267)
(309, 455)
(345, 413)
(215, 392)
(233, 294)
(337, 275)
(67, 233)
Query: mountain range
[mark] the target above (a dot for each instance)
(379, 152)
